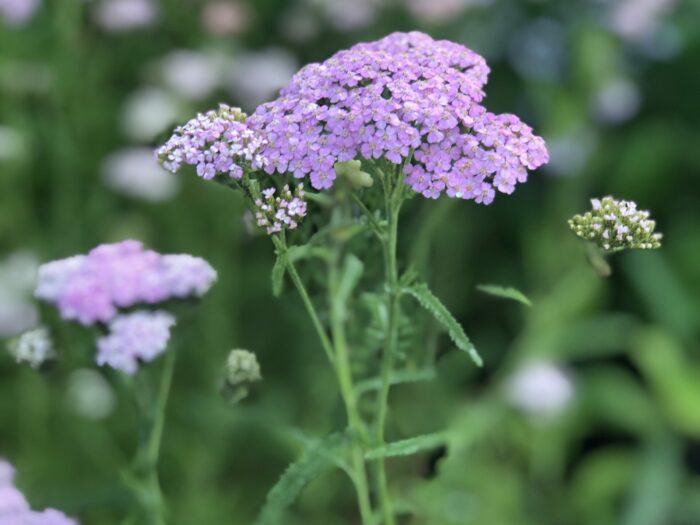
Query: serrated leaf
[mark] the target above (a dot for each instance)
(278, 271)
(397, 377)
(312, 463)
(408, 447)
(504, 292)
(442, 315)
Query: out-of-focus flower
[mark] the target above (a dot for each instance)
(149, 112)
(89, 395)
(441, 10)
(14, 509)
(636, 19)
(349, 16)
(242, 369)
(125, 15)
(12, 144)
(135, 172)
(540, 389)
(34, 347)
(18, 12)
(281, 212)
(568, 153)
(225, 18)
(257, 76)
(191, 74)
(410, 100)
(216, 143)
(92, 288)
(537, 49)
(615, 225)
(17, 280)
(133, 338)
(616, 101)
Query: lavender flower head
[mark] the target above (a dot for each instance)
(14, 509)
(408, 99)
(92, 288)
(215, 143)
(139, 336)
(615, 225)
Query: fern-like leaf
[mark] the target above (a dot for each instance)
(408, 447)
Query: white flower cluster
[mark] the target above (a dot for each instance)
(616, 225)
(34, 347)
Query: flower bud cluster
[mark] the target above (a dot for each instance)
(615, 225)
(280, 211)
(217, 142)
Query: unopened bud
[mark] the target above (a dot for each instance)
(353, 173)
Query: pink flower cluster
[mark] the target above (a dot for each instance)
(14, 509)
(405, 98)
(284, 211)
(134, 337)
(216, 143)
(92, 288)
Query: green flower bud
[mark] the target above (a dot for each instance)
(242, 368)
(614, 225)
(353, 174)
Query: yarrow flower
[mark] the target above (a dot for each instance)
(139, 336)
(614, 225)
(92, 288)
(408, 99)
(215, 143)
(14, 509)
(34, 347)
(283, 211)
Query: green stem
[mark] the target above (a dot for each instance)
(337, 354)
(393, 199)
(347, 390)
(150, 492)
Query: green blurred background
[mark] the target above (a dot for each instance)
(588, 408)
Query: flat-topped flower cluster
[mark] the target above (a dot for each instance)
(93, 288)
(406, 99)
(616, 225)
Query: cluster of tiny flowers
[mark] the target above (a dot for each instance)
(283, 211)
(216, 143)
(616, 225)
(14, 509)
(34, 347)
(92, 288)
(405, 98)
(139, 336)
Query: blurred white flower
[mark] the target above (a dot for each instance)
(135, 172)
(637, 19)
(34, 347)
(347, 15)
(191, 74)
(125, 15)
(441, 10)
(18, 12)
(616, 101)
(540, 389)
(12, 144)
(149, 112)
(17, 278)
(90, 395)
(257, 76)
(225, 18)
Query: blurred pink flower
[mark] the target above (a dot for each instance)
(18, 12)
(225, 18)
(125, 15)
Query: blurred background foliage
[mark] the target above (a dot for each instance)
(588, 408)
